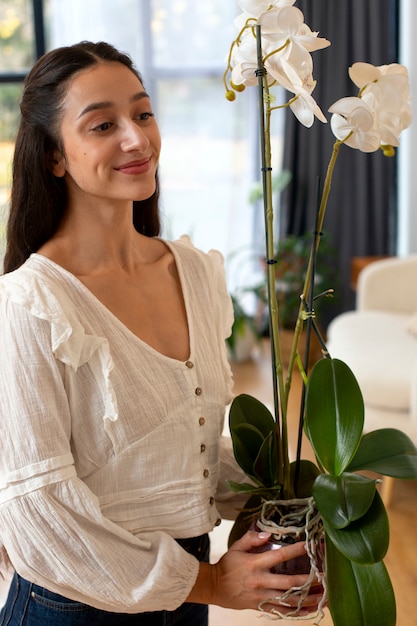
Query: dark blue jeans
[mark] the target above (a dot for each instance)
(30, 605)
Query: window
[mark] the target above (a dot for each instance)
(17, 37)
(9, 98)
(19, 43)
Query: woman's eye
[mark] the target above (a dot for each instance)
(102, 127)
(145, 116)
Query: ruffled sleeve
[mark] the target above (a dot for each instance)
(224, 301)
(214, 262)
(70, 344)
(224, 315)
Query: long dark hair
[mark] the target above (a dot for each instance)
(38, 198)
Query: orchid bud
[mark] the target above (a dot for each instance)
(237, 87)
(388, 151)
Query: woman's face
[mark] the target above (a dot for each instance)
(110, 138)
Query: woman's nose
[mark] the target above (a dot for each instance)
(134, 137)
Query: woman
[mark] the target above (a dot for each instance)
(113, 373)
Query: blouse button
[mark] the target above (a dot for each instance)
(203, 447)
(201, 421)
(198, 391)
(211, 501)
(206, 473)
(218, 522)
(189, 364)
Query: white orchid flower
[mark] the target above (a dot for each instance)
(244, 74)
(364, 73)
(310, 40)
(286, 45)
(276, 40)
(288, 23)
(386, 90)
(241, 20)
(281, 22)
(244, 60)
(296, 56)
(304, 107)
(255, 7)
(389, 116)
(388, 83)
(353, 122)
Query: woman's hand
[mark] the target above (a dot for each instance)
(243, 580)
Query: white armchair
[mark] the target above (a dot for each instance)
(379, 343)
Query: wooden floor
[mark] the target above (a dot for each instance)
(254, 377)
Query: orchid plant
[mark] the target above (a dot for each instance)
(273, 49)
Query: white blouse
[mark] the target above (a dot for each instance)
(110, 449)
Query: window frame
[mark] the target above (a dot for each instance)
(39, 43)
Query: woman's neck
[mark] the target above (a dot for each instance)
(88, 242)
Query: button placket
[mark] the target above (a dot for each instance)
(201, 421)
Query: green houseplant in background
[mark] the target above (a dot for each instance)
(349, 538)
(245, 333)
(292, 253)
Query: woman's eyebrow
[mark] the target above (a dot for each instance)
(107, 104)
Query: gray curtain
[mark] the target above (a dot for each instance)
(361, 214)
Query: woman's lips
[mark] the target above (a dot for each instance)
(135, 167)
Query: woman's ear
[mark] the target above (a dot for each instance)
(56, 164)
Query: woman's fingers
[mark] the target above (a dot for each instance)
(244, 578)
(250, 540)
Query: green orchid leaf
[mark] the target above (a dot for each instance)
(246, 518)
(365, 540)
(247, 441)
(249, 410)
(251, 436)
(343, 499)
(253, 432)
(334, 414)
(387, 451)
(271, 493)
(358, 595)
(307, 474)
(265, 464)
(244, 488)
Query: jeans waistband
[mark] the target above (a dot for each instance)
(197, 546)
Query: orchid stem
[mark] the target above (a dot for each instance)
(277, 371)
(310, 319)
